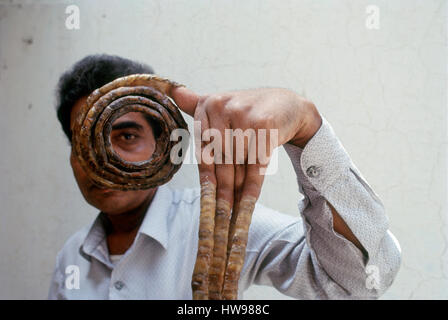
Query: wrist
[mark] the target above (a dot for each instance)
(310, 125)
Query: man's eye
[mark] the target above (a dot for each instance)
(128, 136)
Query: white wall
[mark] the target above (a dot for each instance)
(384, 91)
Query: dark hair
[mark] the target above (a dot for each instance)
(88, 74)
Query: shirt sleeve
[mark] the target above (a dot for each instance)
(313, 261)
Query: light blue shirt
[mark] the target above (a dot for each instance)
(302, 257)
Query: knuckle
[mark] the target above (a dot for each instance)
(216, 102)
(252, 189)
(263, 121)
(202, 100)
(225, 185)
(207, 176)
(237, 108)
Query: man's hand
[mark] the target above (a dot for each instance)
(295, 118)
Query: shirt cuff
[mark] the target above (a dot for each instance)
(322, 161)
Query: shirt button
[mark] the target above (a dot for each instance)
(313, 171)
(118, 285)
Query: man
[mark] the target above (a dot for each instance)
(143, 243)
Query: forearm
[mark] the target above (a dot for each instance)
(346, 221)
(309, 128)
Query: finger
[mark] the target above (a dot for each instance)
(224, 170)
(204, 147)
(239, 158)
(185, 99)
(240, 154)
(251, 190)
(200, 279)
(237, 253)
(218, 265)
(240, 172)
(253, 181)
(224, 173)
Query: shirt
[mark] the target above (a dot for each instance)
(302, 257)
(114, 258)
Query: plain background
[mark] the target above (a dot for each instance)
(383, 90)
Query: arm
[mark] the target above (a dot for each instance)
(353, 257)
(331, 262)
(304, 135)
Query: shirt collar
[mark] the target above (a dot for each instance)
(95, 240)
(155, 222)
(154, 225)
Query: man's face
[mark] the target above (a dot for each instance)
(133, 140)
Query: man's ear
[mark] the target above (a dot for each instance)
(185, 99)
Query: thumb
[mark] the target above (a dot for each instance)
(185, 99)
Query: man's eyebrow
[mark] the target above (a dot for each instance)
(127, 125)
